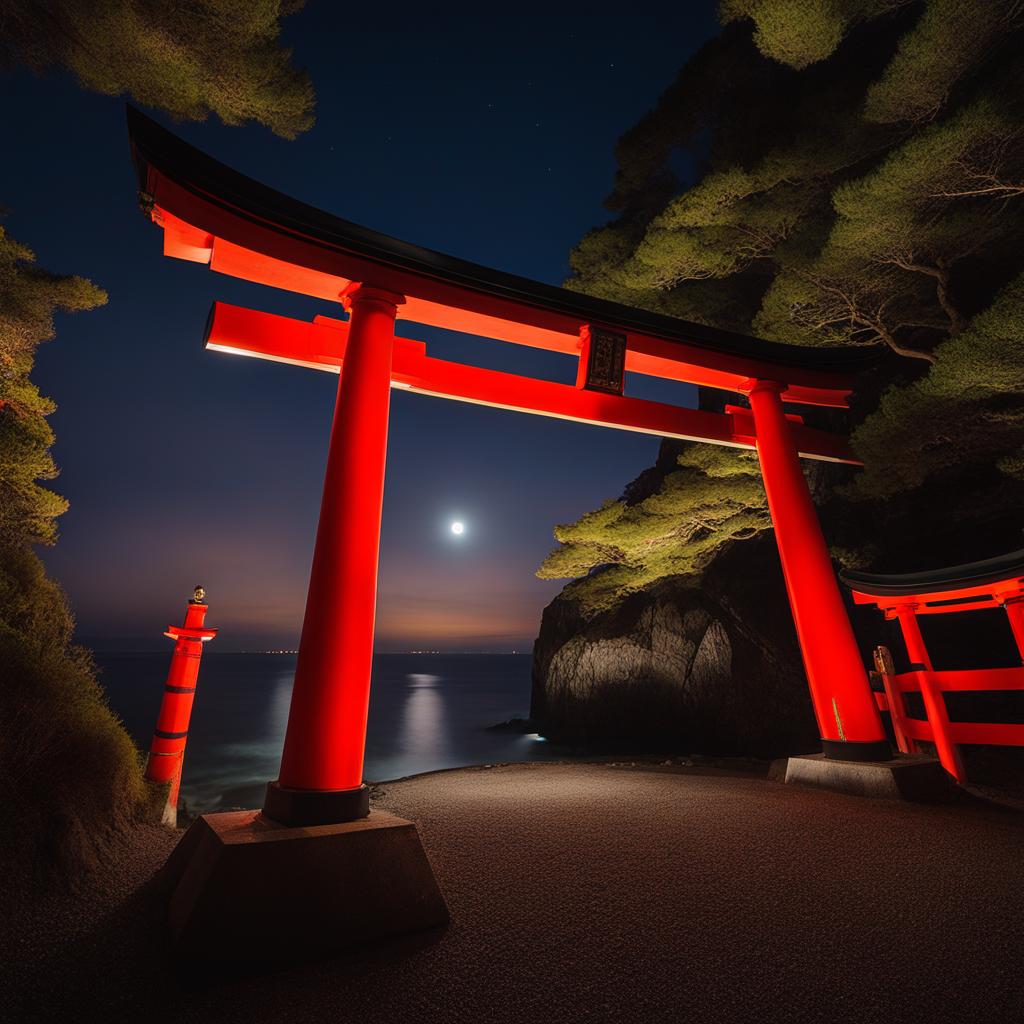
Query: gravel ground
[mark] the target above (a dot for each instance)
(584, 892)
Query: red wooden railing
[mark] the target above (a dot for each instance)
(938, 728)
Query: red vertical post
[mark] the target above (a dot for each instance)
(848, 718)
(167, 750)
(911, 630)
(1015, 613)
(322, 764)
(938, 719)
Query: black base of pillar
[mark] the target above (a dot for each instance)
(296, 807)
(848, 750)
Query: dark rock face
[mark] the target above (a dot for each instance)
(711, 670)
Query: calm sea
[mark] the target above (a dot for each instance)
(427, 711)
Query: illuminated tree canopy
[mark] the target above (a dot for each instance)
(705, 496)
(28, 298)
(834, 172)
(207, 56)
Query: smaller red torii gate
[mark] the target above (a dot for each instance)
(992, 583)
(212, 215)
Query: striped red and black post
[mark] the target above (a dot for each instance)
(167, 750)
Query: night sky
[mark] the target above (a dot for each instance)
(487, 137)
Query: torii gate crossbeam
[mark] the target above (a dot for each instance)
(212, 215)
(321, 345)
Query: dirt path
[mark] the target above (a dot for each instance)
(598, 893)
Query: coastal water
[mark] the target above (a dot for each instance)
(427, 711)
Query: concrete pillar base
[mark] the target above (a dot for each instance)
(243, 888)
(905, 777)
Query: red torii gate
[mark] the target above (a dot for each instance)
(992, 583)
(213, 215)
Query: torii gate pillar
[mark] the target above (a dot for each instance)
(322, 764)
(359, 876)
(848, 720)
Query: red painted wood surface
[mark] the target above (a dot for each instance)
(167, 749)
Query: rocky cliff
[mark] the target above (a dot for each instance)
(714, 668)
(710, 663)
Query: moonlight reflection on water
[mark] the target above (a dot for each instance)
(423, 734)
(427, 712)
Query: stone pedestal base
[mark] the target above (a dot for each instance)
(241, 887)
(906, 777)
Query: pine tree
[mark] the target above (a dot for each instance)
(208, 56)
(211, 56)
(859, 181)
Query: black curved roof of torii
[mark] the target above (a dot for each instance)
(153, 144)
(953, 577)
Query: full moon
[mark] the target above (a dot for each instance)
(458, 528)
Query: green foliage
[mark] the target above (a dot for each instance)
(599, 269)
(70, 778)
(718, 228)
(714, 495)
(69, 775)
(751, 200)
(28, 298)
(194, 59)
(945, 46)
(803, 32)
(857, 179)
(735, 217)
(968, 409)
(886, 271)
